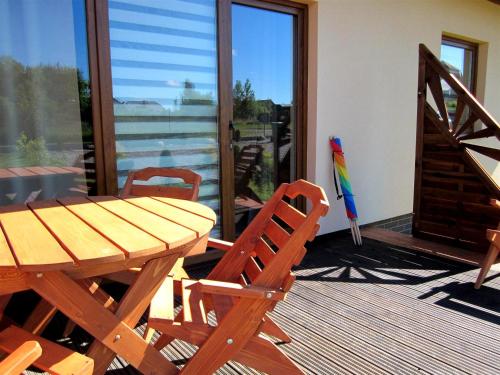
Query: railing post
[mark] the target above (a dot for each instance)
(421, 100)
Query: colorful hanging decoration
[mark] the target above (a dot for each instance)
(339, 164)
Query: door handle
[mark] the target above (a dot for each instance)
(231, 135)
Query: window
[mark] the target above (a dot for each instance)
(165, 95)
(46, 134)
(460, 58)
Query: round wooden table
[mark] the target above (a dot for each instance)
(48, 245)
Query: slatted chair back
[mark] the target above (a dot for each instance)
(188, 176)
(245, 165)
(274, 241)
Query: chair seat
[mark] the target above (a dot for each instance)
(55, 358)
(162, 309)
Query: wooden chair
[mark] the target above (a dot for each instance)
(26, 349)
(256, 274)
(188, 176)
(246, 164)
(492, 254)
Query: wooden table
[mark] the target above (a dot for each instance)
(48, 245)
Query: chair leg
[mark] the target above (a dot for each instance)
(270, 328)
(40, 317)
(163, 341)
(4, 300)
(148, 333)
(265, 356)
(70, 326)
(488, 261)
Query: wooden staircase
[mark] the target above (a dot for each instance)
(452, 189)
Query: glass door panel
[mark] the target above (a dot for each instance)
(164, 72)
(264, 103)
(46, 137)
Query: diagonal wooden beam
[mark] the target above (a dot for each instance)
(437, 93)
(486, 151)
(458, 113)
(483, 133)
(467, 124)
(431, 115)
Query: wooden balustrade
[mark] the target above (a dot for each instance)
(452, 189)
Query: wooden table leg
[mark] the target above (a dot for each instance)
(114, 333)
(133, 304)
(486, 264)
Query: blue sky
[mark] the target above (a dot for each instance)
(263, 52)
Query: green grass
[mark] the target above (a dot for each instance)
(263, 181)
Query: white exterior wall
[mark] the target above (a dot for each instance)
(364, 54)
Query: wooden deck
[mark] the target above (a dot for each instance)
(380, 310)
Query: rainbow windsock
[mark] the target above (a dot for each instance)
(345, 185)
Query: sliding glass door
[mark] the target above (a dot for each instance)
(264, 106)
(165, 95)
(212, 86)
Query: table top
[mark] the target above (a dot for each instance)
(74, 232)
(7, 173)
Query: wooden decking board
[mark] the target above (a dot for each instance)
(322, 338)
(318, 345)
(466, 321)
(413, 292)
(371, 352)
(434, 281)
(414, 330)
(429, 321)
(458, 276)
(422, 352)
(313, 362)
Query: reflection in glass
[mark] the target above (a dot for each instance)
(164, 70)
(263, 107)
(459, 60)
(46, 143)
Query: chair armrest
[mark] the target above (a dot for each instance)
(21, 358)
(238, 290)
(219, 244)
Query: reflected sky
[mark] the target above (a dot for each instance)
(454, 56)
(51, 32)
(263, 52)
(36, 32)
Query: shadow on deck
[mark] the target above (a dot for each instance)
(380, 309)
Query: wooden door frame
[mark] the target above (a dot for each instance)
(224, 32)
(226, 157)
(102, 96)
